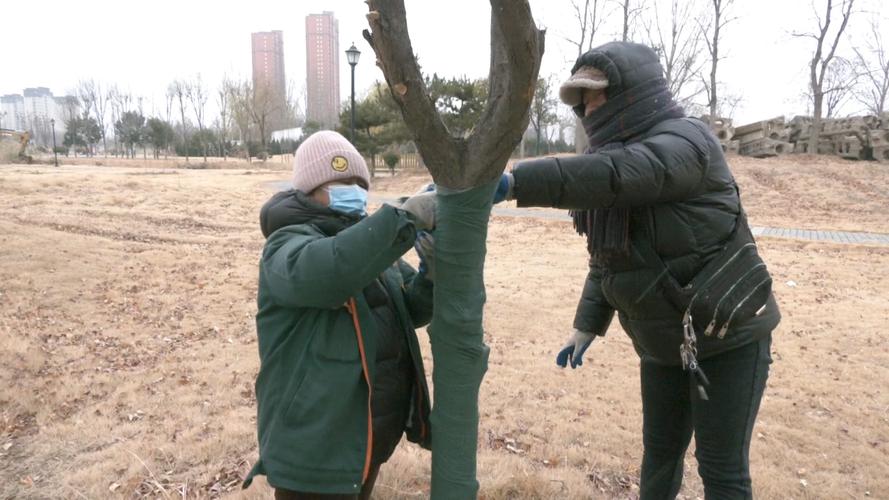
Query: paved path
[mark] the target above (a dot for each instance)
(771, 232)
(849, 237)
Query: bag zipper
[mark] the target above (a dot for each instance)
(712, 325)
(725, 327)
(717, 273)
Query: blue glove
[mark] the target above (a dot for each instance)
(573, 350)
(425, 247)
(504, 188)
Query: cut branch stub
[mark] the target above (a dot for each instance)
(516, 51)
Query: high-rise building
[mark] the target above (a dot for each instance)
(12, 112)
(323, 69)
(38, 112)
(268, 71)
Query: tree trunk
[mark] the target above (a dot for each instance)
(815, 132)
(465, 171)
(626, 33)
(580, 139)
(715, 62)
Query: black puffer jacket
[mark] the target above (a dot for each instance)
(683, 202)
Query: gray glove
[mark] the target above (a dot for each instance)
(421, 207)
(573, 349)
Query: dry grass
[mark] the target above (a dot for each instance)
(126, 331)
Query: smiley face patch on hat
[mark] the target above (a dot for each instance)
(339, 163)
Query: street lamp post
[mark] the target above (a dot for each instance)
(55, 153)
(352, 55)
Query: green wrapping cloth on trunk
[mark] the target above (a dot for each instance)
(459, 353)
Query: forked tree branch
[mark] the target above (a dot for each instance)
(516, 51)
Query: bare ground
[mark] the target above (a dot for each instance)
(127, 297)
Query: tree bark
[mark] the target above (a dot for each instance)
(465, 170)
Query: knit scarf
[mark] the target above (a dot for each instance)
(621, 120)
(287, 208)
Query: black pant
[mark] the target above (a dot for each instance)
(672, 411)
(366, 489)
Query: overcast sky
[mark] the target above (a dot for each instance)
(143, 46)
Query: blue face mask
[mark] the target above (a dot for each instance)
(349, 199)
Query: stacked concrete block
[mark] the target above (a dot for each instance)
(853, 138)
(849, 147)
(724, 131)
(800, 126)
(764, 148)
(764, 139)
(845, 137)
(878, 139)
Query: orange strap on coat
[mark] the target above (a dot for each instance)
(353, 310)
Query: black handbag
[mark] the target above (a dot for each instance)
(733, 286)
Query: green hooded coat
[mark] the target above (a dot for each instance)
(317, 349)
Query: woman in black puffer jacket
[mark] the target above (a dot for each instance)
(657, 203)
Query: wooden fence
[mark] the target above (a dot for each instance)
(407, 161)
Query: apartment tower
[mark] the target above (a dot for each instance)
(268, 71)
(323, 69)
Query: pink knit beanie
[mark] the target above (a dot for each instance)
(324, 157)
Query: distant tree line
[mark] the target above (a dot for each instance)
(845, 73)
(116, 120)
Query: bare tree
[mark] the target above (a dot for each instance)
(295, 102)
(820, 64)
(873, 60)
(240, 98)
(589, 20)
(678, 47)
(465, 169)
(717, 24)
(265, 106)
(839, 86)
(100, 113)
(223, 101)
(197, 96)
(121, 102)
(179, 89)
(630, 11)
(85, 91)
(728, 104)
(113, 104)
(169, 100)
(543, 110)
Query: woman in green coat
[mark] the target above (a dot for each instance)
(341, 376)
